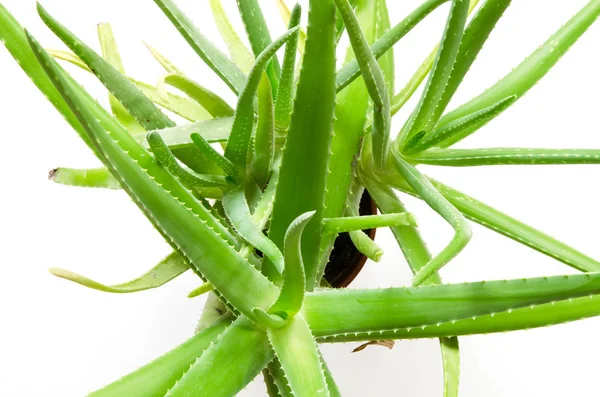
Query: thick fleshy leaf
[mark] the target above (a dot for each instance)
(297, 351)
(211, 55)
(417, 255)
(351, 70)
(158, 376)
(294, 282)
(301, 186)
(531, 70)
(92, 177)
(510, 227)
(240, 55)
(210, 101)
(165, 271)
(287, 82)
(462, 229)
(259, 37)
(374, 81)
(264, 137)
(241, 130)
(506, 156)
(432, 311)
(136, 103)
(238, 211)
(228, 365)
(458, 128)
(352, 106)
(346, 224)
(186, 224)
(473, 39)
(440, 73)
(212, 155)
(111, 54)
(188, 178)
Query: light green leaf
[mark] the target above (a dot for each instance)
(374, 81)
(92, 177)
(158, 376)
(506, 156)
(440, 73)
(297, 351)
(462, 229)
(259, 37)
(264, 137)
(211, 55)
(432, 311)
(240, 55)
(459, 128)
(241, 130)
(210, 101)
(532, 69)
(228, 365)
(346, 224)
(238, 211)
(287, 83)
(110, 52)
(188, 178)
(165, 271)
(301, 185)
(186, 224)
(136, 103)
(294, 283)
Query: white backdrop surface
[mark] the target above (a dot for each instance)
(58, 339)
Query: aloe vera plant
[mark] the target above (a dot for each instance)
(252, 195)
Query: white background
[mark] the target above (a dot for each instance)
(60, 339)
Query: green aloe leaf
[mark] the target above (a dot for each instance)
(460, 127)
(187, 225)
(211, 55)
(338, 315)
(462, 229)
(510, 227)
(506, 156)
(240, 55)
(287, 82)
(238, 211)
(210, 101)
(473, 39)
(92, 177)
(158, 376)
(417, 255)
(212, 155)
(361, 240)
(259, 37)
(352, 106)
(297, 351)
(440, 73)
(301, 185)
(164, 61)
(346, 224)
(241, 130)
(111, 54)
(374, 81)
(351, 70)
(165, 157)
(287, 17)
(165, 271)
(13, 38)
(294, 282)
(136, 103)
(264, 137)
(228, 365)
(277, 375)
(386, 62)
(531, 70)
